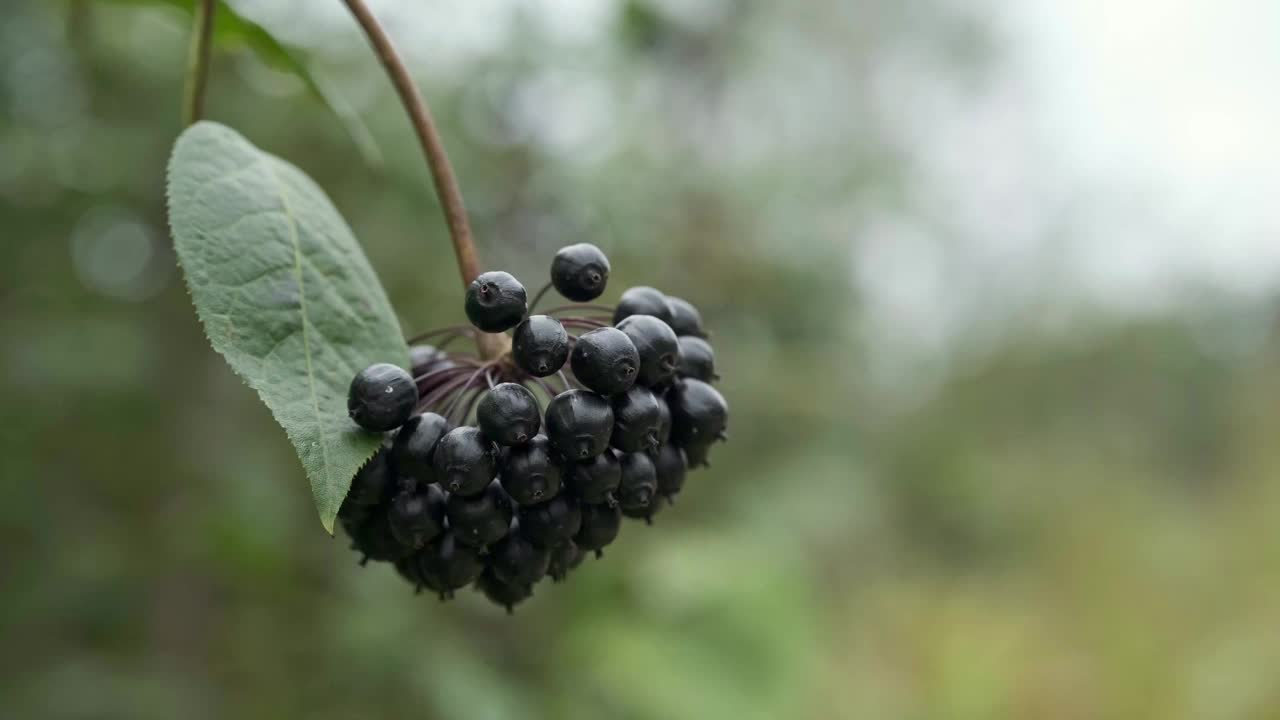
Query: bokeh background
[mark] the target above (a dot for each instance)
(994, 287)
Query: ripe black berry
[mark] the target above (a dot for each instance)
(593, 481)
(664, 420)
(415, 444)
(509, 414)
(636, 420)
(540, 345)
(579, 424)
(698, 413)
(374, 483)
(427, 358)
(528, 473)
(465, 460)
(685, 318)
(445, 564)
(502, 593)
(495, 302)
(375, 541)
(417, 517)
(697, 454)
(600, 525)
(670, 467)
(381, 397)
(642, 301)
(565, 557)
(481, 520)
(605, 360)
(639, 487)
(552, 522)
(580, 272)
(697, 359)
(657, 345)
(516, 560)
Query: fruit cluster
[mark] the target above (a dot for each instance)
(477, 482)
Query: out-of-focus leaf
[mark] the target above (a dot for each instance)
(285, 294)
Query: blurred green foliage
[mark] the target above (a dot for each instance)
(1067, 524)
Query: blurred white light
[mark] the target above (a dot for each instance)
(114, 254)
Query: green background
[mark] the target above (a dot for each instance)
(1074, 519)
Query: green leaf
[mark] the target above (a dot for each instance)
(285, 294)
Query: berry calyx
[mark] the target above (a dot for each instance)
(495, 302)
(529, 474)
(540, 345)
(509, 414)
(579, 424)
(465, 460)
(605, 361)
(642, 300)
(381, 397)
(580, 272)
(656, 344)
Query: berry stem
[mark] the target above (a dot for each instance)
(489, 345)
(567, 308)
(198, 61)
(538, 298)
(447, 330)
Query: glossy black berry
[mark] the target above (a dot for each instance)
(664, 420)
(605, 361)
(381, 397)
(415, 444)
(540, 345)
(529, 474)
(698, 413)
(639, 487)
(697, 359)
(481, 520)
(517, 560)
(657, 345)
(698, 454)
(595, 480)
(374, 483)
(552, 522)
(375, 541)
(503, 594)
(685, 318)
(509, 415)
(445, 564)
(636, 420)
(417, 517)
(465, 460)
(565, 557)
(579, 424)
(425, 359)
(495, 302)
(670, 467)
(580, 272)
(600, 525)
(642, 301)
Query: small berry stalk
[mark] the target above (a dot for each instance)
(502, 470)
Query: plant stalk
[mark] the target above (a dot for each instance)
(446, 183)
(198, 61)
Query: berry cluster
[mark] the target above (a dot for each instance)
(478, 482)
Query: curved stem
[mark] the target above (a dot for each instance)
(489, 345)
(537, 298)
(198, 62)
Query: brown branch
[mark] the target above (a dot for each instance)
(198, 61)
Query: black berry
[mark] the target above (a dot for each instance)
(416, 518)
(698, 455)
(698, 413)
(517, 560)
(509, 414)
(600, 525)
(636, 420)
(481, 520)
(605, 360)
(381, 397)
(552, 522)
(642, 301)
(445, 564)
(502, 593)
(657, 345)
(540, 345)
(375, 541)
(697, 359)
(415, 444)
(565, 557)
(529, 474)
(425, 359)
(579, 424)
(664, 420)
(593, 481)
(580, 272)
(465, 460)
(495, 302)
(374, 483)
(639, 487)
(685, 318)
(670, 467)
